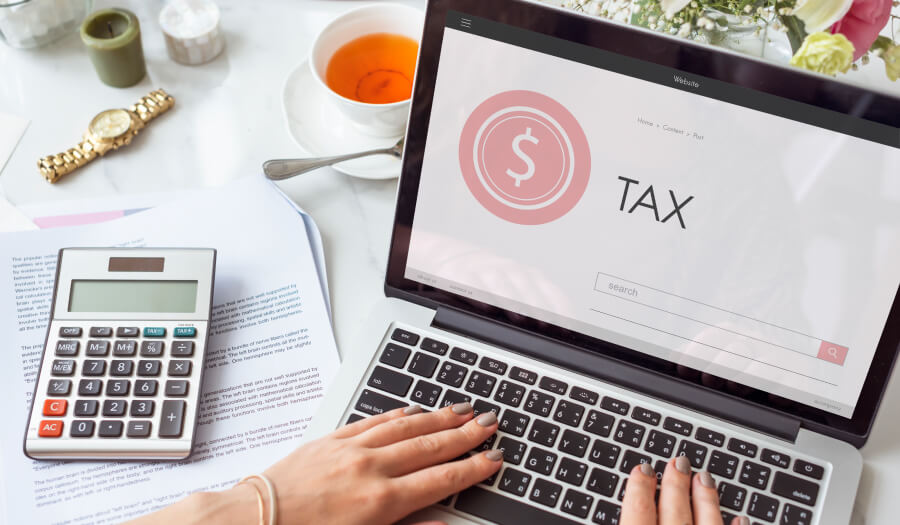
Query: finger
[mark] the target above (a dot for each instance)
(740, 520)
(416, 425)
(430, 449)
(428, 486)
(639, 505)
(364, 424)
(705, 500)
(675, 493)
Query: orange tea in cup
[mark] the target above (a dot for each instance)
(376, 68)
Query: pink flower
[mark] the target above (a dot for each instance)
(862, 23)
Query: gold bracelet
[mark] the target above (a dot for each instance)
(273, 500)
(259, 500)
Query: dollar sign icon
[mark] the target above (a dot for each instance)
(529, 171)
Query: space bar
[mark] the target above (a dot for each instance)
(505, 511)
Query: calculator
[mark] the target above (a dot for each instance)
(122, 365)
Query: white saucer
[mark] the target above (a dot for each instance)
(319, 128)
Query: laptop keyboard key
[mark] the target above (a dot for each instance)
(513, 450)
(779, 459)
(545, 492)
(481, 406)
(373, 403)
(742, 447)
(571, 471)
(604, 453)
(426, 393)
(481, 384)
(435, 347)
(794, 515)
(732, 496)
(808, 469)
(525, 376)
(606, 513)
(678, 426)
(544, 433)
(452, 374)
(722, 464)
(390, 381)
(539, 403)
(645, 415)
(763, 507)
(632, 458)
(394, 355)
(510, 393)
(463, 356)
(553, 385)
(574, 443)
(584, 395)
(598, 423)
(660, 443)
(514, 482)
(755, 475)
(794, 488)
(614, 405)
(540, 461)
(577, 503)
(423, 364)
(603, 482)
(514, 423)
(502, 510)
(569, 413)
(694, 452)
(492, 365)
(716, 439)
(629, 433)
(404, 336)
(452, 397)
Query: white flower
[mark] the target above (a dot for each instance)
(671, 7)
(819, 15)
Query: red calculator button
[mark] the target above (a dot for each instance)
(50, 429)
(55, 407)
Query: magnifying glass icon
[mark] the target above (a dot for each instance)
(832, 351)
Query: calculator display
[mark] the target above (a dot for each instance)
(133, 296)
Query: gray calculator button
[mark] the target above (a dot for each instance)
(148, 367)
(127, 331)
(63, 367)
(70, 331)
(141, 408)
(151, 348)
(67, 348)
(171, 419)
(110, 429)
(145, 387)
(59, 387)
(117, 387)
(86, 407)
(121, 367)
(138, 429)
(93, 367)
(90, 387)
(101, 331)
(182, 348)
(114, 407)
(176, 388)
(179, 368)
(82, 429)
(125, 348)
(97, 348)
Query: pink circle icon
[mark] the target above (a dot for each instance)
(524, 157)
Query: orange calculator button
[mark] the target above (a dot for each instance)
(50, 429)
(55, 407)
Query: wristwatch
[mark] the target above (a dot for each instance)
(108, 131)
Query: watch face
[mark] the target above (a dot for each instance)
(110, 124)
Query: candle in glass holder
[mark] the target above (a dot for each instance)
(33, 23)
(113, 40)
(191, 29)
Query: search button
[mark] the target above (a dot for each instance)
(832, 352)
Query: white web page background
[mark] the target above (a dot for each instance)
(792, 237)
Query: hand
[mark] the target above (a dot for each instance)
(683, 499)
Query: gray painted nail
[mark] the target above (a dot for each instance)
(461, 408)
(744, 520)
(487, 419)
(647, 470)
(707, 480)
(412, 409)
(497, 455)
(683, 464)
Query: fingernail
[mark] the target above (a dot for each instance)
(683, 464)
(497, 455)
(461, 408)
(707, 480)
(487, 419)
(412, 409)
(744, 520)
(647, 470)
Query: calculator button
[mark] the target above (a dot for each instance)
(176, 388)
(82, 429)
(184, 331)
(66, 348)
(138, 429)
(101, 331)
(154, 331)
(182, 349)
(97, 348)
(90, 387)
(127, 331)
(179, 368)
(110, 429)
(141, 408)
(114, 407)
(63, 367)
(93, 367)
(125, 348)
(151, 348)
(70, 331)
(172, 419)
(117, 387)
(59, 387)
(145, 387)
(86, 407)
(121, 367)
(55, 407)
(148, 367)
(50, 429)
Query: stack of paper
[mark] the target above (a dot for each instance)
(271, 352)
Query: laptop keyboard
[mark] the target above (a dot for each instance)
(568, 446)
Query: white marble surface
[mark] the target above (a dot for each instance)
(226, 122)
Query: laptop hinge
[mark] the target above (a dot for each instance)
(615, 371)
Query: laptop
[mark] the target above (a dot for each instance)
(632, 247)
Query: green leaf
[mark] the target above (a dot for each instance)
(882, 43)
(796, 31)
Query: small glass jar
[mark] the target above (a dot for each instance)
(33, 23)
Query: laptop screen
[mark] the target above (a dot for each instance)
(736, 233)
